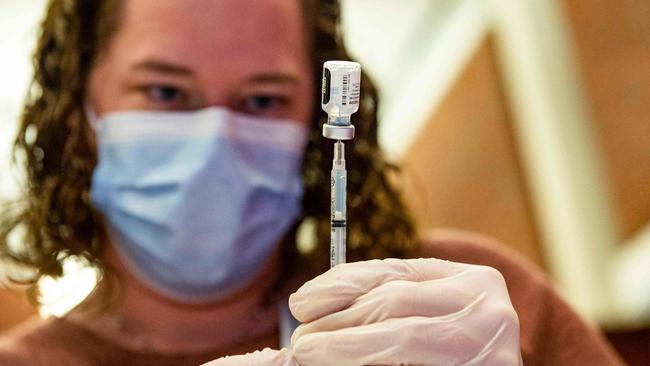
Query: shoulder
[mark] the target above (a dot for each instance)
(474, 248)
(34, 342)
(18, 343)
(551, 332)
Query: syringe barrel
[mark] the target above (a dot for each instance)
(338, 211)
(341, 91)
(338, 243)
(339, 178)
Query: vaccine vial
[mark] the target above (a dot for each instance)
(340, 97)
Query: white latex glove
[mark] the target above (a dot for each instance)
(411, 312)
(266, 357)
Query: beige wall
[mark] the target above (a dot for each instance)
(462, 170)
(613, 43)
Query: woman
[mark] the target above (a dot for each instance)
(176, 147)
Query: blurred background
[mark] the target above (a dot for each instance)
(522, 119)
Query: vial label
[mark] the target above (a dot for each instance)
(356, 93)
(341, 91)
(345, 89)
(327, 81)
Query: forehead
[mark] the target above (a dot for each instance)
(223, 34)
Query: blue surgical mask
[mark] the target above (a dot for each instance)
(196, 202)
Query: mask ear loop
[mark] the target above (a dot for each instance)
(92, 117)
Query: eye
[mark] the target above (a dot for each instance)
(166, 96)
(265, 104)
(163, 93)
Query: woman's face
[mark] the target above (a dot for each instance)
(248, 55)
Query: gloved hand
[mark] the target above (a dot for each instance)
(266, 357)
(411, 312)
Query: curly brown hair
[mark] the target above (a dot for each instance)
(55, 218)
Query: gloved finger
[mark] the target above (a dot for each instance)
(400, 299)
(414, 341)
(337, 288)
(266, 357)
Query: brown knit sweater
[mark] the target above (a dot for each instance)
(551, 333)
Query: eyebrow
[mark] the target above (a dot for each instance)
(166, 67)
(163, 67)
(274, 78)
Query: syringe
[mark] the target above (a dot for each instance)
(341, 92)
